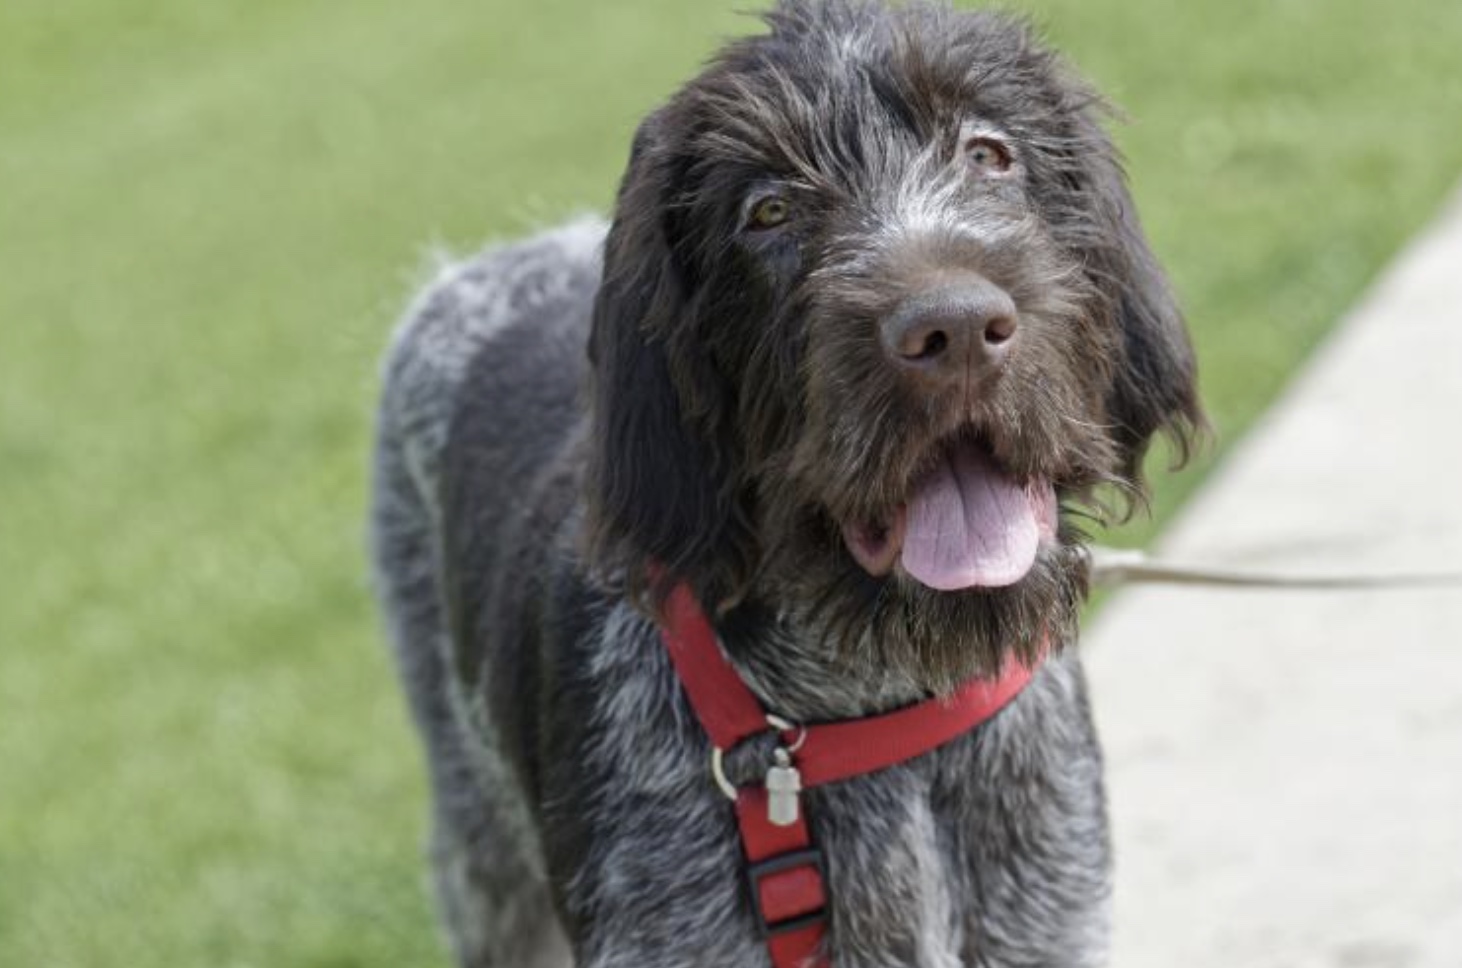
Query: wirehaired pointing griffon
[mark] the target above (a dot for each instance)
(728, 551)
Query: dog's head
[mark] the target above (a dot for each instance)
(876, 306)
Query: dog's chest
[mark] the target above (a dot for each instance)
(898, 876)
(669, 853)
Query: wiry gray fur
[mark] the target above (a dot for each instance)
(524, 501)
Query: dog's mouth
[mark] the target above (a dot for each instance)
(967, 523)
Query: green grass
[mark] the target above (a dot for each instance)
(209, 216)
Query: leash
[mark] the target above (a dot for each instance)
(785, 872)
(1118, 566)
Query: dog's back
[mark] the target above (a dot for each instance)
(481, 411)
(512, 323)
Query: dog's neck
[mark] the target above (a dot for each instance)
(799, 676)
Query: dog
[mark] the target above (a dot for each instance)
(874, 331)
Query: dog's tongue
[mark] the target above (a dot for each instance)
(969, 524)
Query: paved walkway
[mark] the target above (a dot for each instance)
(1286, 767)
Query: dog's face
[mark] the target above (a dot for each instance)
(876, 306)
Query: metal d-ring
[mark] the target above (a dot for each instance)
(782, 726)
(718, 755)
(718, 771)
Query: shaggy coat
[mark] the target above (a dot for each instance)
(861, 258)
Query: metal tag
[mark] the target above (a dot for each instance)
(784, 783)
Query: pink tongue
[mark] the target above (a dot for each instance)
(969, 525)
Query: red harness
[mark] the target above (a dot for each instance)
(785, 873)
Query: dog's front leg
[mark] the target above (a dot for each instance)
(663, 888)
(1032, 829)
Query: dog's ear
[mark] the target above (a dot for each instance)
(664, 482)
(1154, 379)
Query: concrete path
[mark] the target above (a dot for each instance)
(1286, 767)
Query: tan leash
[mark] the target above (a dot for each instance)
(1127, 566)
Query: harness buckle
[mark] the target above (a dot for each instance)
(757, 872)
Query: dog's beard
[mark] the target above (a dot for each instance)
(876, 628)
(878, 620)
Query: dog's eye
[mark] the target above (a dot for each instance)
(769, 212)
(989, 154)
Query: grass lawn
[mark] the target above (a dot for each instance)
(210, 214)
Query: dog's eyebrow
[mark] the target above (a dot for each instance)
(980, 128)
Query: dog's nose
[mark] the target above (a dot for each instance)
(945, 332)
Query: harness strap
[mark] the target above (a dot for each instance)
(785, 872)
(786, 881)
